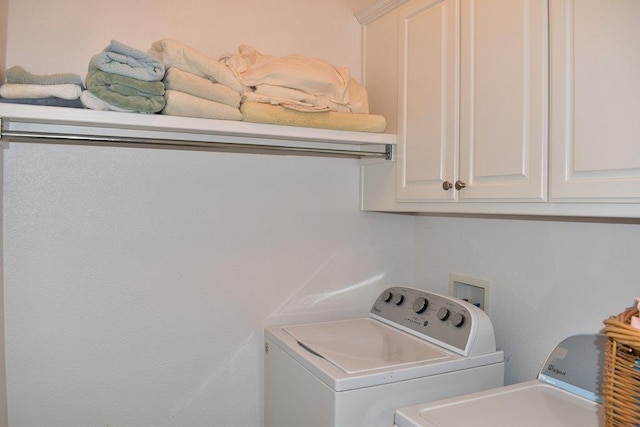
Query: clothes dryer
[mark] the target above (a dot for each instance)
(566, 393)
(414, 346)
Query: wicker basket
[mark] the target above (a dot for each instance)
(621, 379)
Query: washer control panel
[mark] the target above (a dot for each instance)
(443, 320)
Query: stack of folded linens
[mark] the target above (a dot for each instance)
(295, 90)
(23, 87)
(196, 84)
(121, 78)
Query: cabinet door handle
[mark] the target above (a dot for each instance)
(447, 185)
(460, 185)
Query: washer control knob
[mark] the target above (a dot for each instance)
(457, 320)
(398, 299)
(420, 305)
(386, 296)
(443, 314)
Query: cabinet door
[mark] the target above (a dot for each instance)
(504, 100)
(427, 99)
(595, 100)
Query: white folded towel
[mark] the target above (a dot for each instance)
(33, 91)
(92, 102)
(293, 99)
(287, 103)
(186, 58)
(185, 105)
(182, 81)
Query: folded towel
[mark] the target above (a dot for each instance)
(283, 95)
(183, 104)
(50, 101)
(17, 74)
(126, 92)
(182, 81)
(278, 115)
(92, 102)
(176, 54)
(309, 75)
(310, 104)
(19, 90)
(121, 59)
(287, 103)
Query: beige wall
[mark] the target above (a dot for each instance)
(4, 4)
(65, 34)
(4, 7)
(137, 281)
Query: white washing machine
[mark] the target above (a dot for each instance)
(414, 346)
(566, 393)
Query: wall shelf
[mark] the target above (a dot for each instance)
(44, 124)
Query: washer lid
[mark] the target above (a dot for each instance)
(361, 345)
(530, 404)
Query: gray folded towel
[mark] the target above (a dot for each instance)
(17, 74)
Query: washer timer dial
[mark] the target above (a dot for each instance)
(443, 313)
(457, 320)
(386, 296)
(420, 305)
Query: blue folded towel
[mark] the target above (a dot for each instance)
(51, 101)
(118, 58)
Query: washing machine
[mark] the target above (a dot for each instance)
(414, 346)
(566, 393)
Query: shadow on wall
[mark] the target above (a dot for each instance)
(345, 286)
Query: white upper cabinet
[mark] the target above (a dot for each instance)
(595, 101)
(504, 100)
(428, 101)
(472, 101)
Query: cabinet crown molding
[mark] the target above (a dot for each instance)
(376, 9)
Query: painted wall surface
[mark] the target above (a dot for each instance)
(549, 279)
(4, 11)
(138, 282)
(4, 419)
(4, 8)
(65, 34)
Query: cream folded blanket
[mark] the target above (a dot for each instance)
(182, 81)
(19, 90)
(185, 105)
(275, 114)
(17, 74)
(287, 103)
(292, 99)
(309, 75)
(294, 95)
(186, 58)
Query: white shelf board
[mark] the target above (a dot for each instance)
(76, 121)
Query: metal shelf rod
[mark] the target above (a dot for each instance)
(77, 139)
